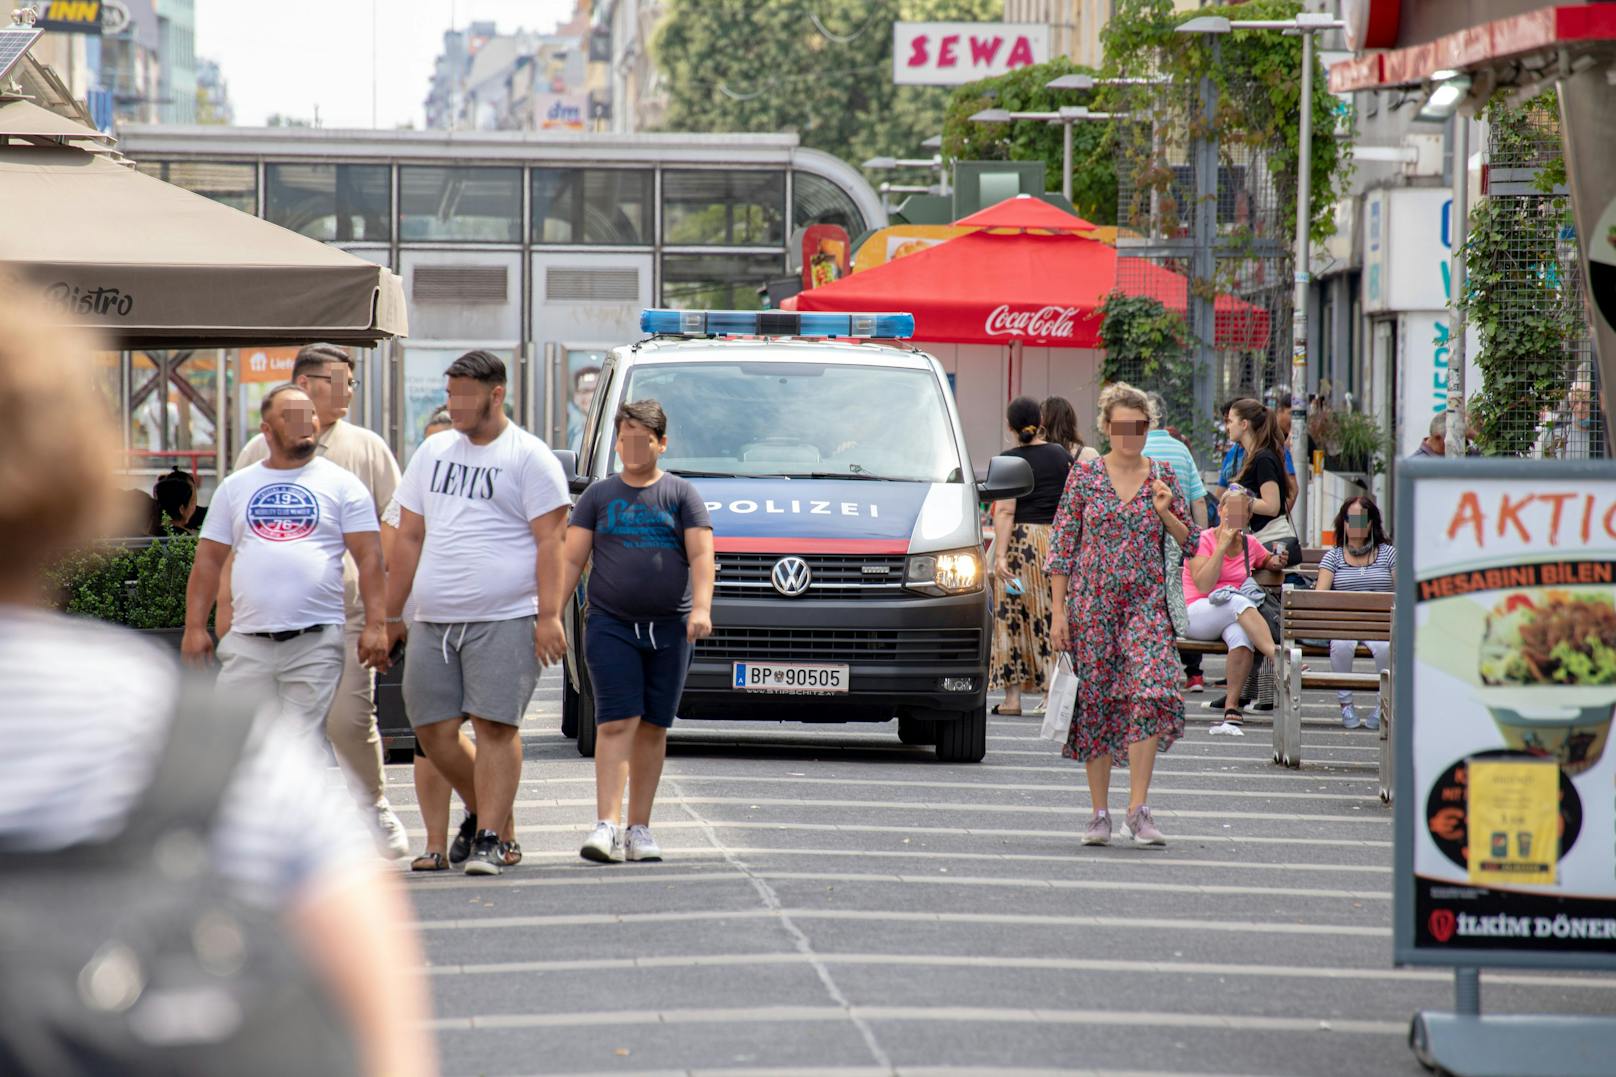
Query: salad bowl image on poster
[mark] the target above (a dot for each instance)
(1505, 642)
(1548, 670)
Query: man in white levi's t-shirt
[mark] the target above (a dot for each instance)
(289, 520)
(482, 518)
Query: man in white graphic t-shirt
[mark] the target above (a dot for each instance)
(289, 519)
(482, 517)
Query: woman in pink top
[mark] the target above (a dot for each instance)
(1213, 578)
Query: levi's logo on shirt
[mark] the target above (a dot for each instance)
(460, 480)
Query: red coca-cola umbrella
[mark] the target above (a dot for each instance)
(1046, 290)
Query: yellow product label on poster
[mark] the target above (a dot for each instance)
(1512, 815)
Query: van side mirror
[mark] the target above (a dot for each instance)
(1008, 478)
(569, 469)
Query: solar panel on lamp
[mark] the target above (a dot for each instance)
(14, 42)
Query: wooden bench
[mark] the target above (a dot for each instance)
(1324, 615)
(1271, 580)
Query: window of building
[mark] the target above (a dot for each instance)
(723, 209)
(717, 281)
(817, 200)
(605, 206)
(341, 203)
(480, 205)
(234, 184)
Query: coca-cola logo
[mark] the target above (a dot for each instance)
(1043, 322)
(1442, 924)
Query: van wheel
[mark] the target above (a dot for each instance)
(917, 731)
(586, 715)
(965, 739)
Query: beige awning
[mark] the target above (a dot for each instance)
(24, 119)
(157, 266)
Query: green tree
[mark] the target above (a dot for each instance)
(820, 68)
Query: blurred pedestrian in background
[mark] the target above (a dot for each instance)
(1362, 559)
(88, 716)
(1109, 596)
(1059, 420)
(1021, 651)
(1262, 472)
(327, 374)
(1164, 445)
(176, 497)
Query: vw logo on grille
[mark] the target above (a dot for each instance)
(791, 576)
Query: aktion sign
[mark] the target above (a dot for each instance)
(954, 53)
(1506, 675)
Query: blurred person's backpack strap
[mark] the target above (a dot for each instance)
(131, 956)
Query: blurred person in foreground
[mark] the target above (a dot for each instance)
(88, 714)
(325, 373)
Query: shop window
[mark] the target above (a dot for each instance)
(603, 206)
(341, 203)
(233, 184)
(479, 205)
(173, 409)
(817, 200)
(723, 209)
(717, 281)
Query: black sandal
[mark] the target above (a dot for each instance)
(430, 862)
(511, 852)
(1239, 718)
(1007, 714)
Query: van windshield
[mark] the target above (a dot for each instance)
(803, 420)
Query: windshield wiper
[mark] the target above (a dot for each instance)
(690, 474)
(859, 475)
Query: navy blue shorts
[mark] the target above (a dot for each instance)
(636, 668)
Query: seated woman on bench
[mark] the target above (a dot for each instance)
(1360, 560)
(1223, 598)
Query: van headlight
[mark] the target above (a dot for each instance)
(950, 572)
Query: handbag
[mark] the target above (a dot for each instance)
(1061, 700)
(1173, 581)
(1268, 602)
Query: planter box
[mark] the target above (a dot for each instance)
(172, 637)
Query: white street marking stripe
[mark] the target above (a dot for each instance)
(1379, 815)
(586, 774)
(948, 1014)
(1128, 885)
(1199, 925)
(997, 961)
(864, 828)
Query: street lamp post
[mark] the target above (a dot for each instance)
(1305, 24)
(1066, 116)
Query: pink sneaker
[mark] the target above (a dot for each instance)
(1139, 826)
(1099, 831)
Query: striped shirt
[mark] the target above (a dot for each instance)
(1377, 576)
(86, 715)
(1160, 445)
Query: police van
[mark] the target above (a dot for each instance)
(851, 581)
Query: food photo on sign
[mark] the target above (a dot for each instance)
(1514, 686)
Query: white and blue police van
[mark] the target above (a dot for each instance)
(846, 521)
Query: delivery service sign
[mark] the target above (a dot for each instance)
(1506, 678)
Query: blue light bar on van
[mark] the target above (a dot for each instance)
(775, 323)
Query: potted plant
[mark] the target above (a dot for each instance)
(139, 585)
(1354, 442)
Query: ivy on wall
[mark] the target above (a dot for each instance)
(1148, 345)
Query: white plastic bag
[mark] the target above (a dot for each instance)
(1061, 701)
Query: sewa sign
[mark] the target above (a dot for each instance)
(954, 53)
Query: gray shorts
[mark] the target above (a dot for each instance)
(481, 669)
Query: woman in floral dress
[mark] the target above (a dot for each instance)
(1108, 532)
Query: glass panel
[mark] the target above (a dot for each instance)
(172, 416)
(733, 209)
(345, 203)
(717, 281)
(477, 204)
(233, 184)
(583, 378)
(425, 390)
(802, 419)
(611, 207)
(817, 200)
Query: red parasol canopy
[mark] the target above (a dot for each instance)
(1025, 211)
(983, 288)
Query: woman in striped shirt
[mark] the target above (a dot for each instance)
(1362, 560)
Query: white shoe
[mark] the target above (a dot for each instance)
(392, 841)
(604, 845)
(640, 845)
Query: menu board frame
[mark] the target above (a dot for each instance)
(1422, 486)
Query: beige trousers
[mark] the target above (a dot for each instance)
(350, 725)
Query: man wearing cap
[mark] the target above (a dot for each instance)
(326, 373)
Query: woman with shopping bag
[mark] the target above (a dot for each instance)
(1108, 587)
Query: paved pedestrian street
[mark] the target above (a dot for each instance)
(835, 902)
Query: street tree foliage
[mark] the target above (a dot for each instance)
(820, 68)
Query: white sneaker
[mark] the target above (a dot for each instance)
(392, 841)
(604, 845)
(640, 845)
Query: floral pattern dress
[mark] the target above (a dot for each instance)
(1130, 679)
